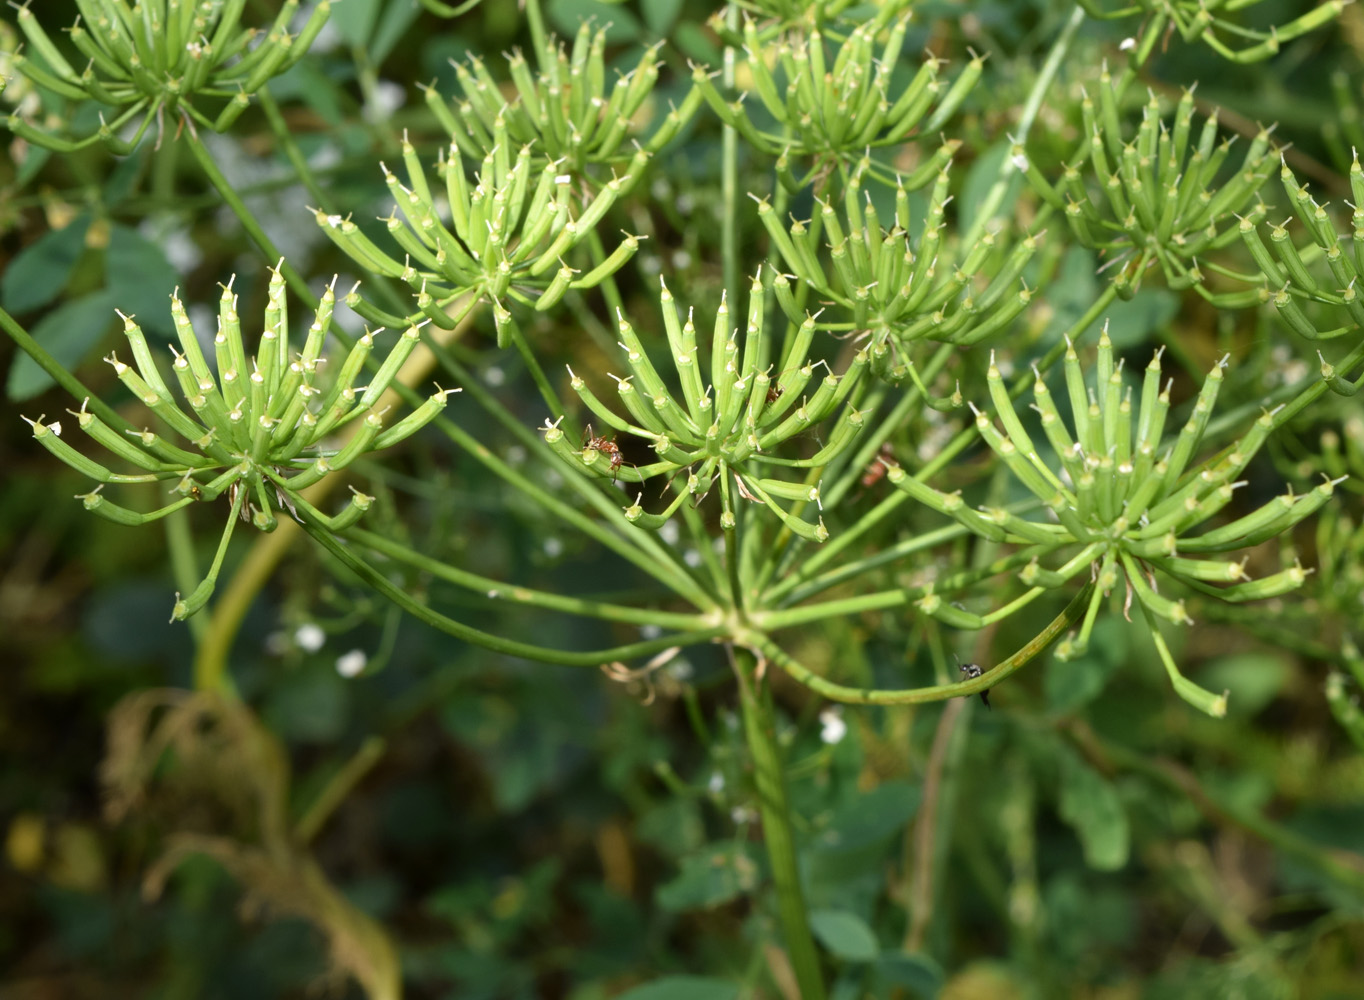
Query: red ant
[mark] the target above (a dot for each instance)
(877, 470)
(607, 446)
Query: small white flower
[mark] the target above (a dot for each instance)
(350, 664)
(716, 783)
(832, 727)
(669, 532)
(1020, 162)
(494, 376)
(681, 259)
(742, 815)
(650, 631)
(309, 637)
(553, 547)
(1128, 44)
(681, 669)
(692, 558)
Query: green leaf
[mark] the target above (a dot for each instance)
(694, 43)
(355, 20)
(845, 934)
(871, 818)
(709, 878)
(1070, 684)
(1254, 680)
(919, 974)
(1090, 804)
(621, 25)
(659, 15)
(397, 18)
(1131, 322)
(40, 271)
(141, 279)
(68, 333)
(683, 988)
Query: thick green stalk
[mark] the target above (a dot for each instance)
(1007, 174)
(478, 637)
(755, 700)
(937, 692)
(523, 595)
(74, 387)
(253, 229)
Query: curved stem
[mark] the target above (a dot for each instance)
(1030, 109)
(496, 643)
(938, 692)
(880, 600)
(54, 368)
(253, 229)
(755, 700)
(523, 595)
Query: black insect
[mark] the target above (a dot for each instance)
(972, 671)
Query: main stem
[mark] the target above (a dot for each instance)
(755, 699)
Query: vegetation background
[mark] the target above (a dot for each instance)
(532, 831)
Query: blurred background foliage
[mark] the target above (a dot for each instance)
(529, 831)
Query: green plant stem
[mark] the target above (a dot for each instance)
(954, 447)
(1007, 174)
(755, 700)
(498, 644)
(938, 692)
(184, 567)
(538, 36)
(1337, 864)
(729, 177)
(338, 788)
(54, 368)
(642, 549)
(253, 229)
(523, 595)
(811, 586)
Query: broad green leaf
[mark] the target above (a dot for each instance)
(141, 279)
(40, 271)
(845, 934)
(1131, 323)
(659, 15)
(355, 20)
(396, 19)
(622, 26)
(1090, 804)
(710, 877)
(919, 974)
(684, 988)
(68, 333)
(1071, 683)
(1254, 680)
(871, 818)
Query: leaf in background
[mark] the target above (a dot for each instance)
(710, 877)
(871, 818)
(981, 178)
(398, 17)
(684, 988)
(355, 20)
(41, 270)
(1070, 684)
(845, 934)
(68, 333)
(621, 25)
(1254, 680)
(919, 974)
(659, 15)
(1090, 804)
(1131, 322)
(141, 279)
